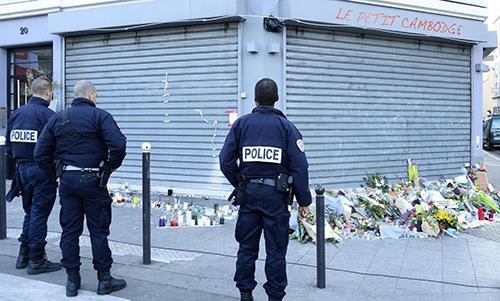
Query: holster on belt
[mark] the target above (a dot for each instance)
(284, 183)
(104, 173)
(58, 164)
(238, 193)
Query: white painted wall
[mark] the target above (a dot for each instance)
(472, 9)
(492, 83)
(21, 8)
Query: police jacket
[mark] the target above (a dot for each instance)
(84, 136)
(266, 144)
(24, 128)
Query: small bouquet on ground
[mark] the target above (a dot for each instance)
(482, 199)
(307, 230)
(377, 181)
(430, 226)
(445, 219)
(365, 225)
(412, 172)
(372, 207)
(472, 170)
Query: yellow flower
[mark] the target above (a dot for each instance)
(443, 216)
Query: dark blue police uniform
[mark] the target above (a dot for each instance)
(38, 191)
(82, 138)
(266, 144)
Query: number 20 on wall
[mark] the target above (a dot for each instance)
(23, 30)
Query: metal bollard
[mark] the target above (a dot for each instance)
(3, 205)
(146, 203)
(320, 237)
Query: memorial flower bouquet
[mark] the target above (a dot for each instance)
(376, 180)
(445, 219)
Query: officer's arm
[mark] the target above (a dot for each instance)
(297, 167)
(45, 148)
(114, 139)
(229, 155)
(46, 115)
(8, 147)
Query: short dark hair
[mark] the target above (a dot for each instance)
(266, 92)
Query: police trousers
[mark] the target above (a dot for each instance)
(38, 195)
(263, 210)
(80, 195)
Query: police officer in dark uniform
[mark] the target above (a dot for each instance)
(38, 191)
(86, 143)
(270, 151)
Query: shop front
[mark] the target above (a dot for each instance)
(174, 87)
(368, 103)
(370, 85)
(26, 52)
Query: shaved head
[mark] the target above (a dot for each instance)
(85, 89)
(41, 87)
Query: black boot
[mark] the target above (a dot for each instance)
(274, 299)
(108, 284)
(23, 258)
(74, 283)
(40, 264)
(246, 296)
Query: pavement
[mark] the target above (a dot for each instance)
(199, 264)
(492, 161)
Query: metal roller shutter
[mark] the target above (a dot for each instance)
(187, 132)
(367, 103)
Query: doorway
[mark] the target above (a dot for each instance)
(24, 65)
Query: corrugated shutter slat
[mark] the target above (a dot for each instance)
(366, 103)
(128, 69)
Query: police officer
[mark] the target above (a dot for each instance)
(83, 138)
(37, 189)
(269, 149)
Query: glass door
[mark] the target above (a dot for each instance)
(25, 64)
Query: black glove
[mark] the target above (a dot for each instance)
(234, 197)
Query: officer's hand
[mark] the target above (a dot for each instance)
(304, 211)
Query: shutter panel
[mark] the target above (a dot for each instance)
(366, 103)
(128, 69)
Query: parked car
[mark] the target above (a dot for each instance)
(491, 132)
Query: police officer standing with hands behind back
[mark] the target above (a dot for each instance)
(87, 144)
(37, 189)
(272, 164)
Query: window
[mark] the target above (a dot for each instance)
(25, 64)
(495, 124)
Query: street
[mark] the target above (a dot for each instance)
(492, 161)
(199, 263)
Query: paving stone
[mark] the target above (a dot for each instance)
(411, 287)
